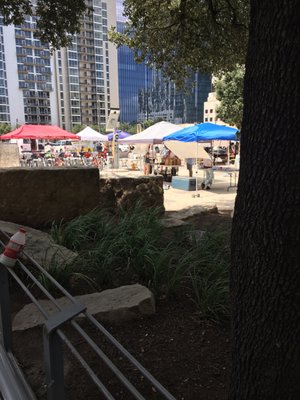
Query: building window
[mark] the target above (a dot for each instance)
(206, 111)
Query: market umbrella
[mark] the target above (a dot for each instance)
(121, 134)
(90, 134)
(39, 132)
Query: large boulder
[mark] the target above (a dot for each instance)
(40, 246)
(123, 303)
(129, 191)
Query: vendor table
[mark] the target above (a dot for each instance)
(166, 172)
(233, 175)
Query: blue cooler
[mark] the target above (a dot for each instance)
(183, 183)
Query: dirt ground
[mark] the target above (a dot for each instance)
(188, 355)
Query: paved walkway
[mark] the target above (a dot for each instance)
(175, 199)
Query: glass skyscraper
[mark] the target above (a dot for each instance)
(145, 94)
(133, 77)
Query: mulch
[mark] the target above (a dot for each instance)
(187, 354)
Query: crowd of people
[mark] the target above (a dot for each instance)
(51, 155)
(157, 156)
(154, 160)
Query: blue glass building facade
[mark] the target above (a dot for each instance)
(145, 94)
(133, 78)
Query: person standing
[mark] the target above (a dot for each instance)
(189, 166)
(147, 163)
(209, 174)
(99, 147)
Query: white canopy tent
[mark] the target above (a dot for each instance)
(153, 134)
(187, 150)
(89, 134)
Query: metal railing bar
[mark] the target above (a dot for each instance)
(50, 277)
(108, 362)
(88, 339)
(133, 360)
(84, 364)
(11, 384)
(46, 273)
(18, 370)
(39, 285)
(29, 294)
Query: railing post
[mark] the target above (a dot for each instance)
(53, 353)
(5, 312)
(53, 350)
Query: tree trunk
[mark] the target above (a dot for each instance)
(265, 275)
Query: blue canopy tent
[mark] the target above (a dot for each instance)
(204, 132)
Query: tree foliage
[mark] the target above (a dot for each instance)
(5, 128)
(128, 127)
(178, 36)
(229, 90)
(58, 19)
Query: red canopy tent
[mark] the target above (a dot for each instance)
(39, 132)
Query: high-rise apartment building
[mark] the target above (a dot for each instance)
(27, 77)
(86, 72)
(75, 85)
(145, 94)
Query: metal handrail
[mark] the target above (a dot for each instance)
(54, 337)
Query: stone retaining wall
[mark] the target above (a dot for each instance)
(9, 155)
(127, 192)
(38, 196)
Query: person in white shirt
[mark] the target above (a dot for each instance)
(209, 174)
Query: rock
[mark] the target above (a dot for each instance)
(129, 191)
(191, 211)
(172, 222)
(176, 218)
(123, 303)
(196, 235)
(40, 246)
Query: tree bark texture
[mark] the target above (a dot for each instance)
(265, 275)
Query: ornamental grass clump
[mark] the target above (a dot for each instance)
(124, 247)
(209, 275)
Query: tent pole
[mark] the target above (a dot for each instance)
(228, 154)
(197, 168)
(197, 194)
